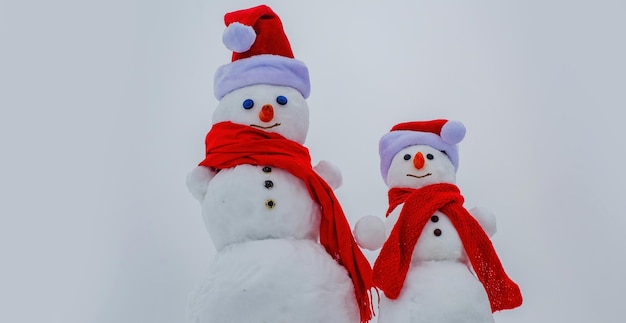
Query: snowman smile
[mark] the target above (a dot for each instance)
(416, 176)
(268, 127)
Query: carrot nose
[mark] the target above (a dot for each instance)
(267, 113)
(418, 161)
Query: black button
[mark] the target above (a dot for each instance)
(270, 204)
(437, 232)
(269, 184)
(434, 218)
(267, 169)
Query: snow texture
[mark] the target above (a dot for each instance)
(291, 120)
(235, 207)
(274, 280)
(369, 232)
(436, 292)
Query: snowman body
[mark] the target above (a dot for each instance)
(274, 280)
(440, 286)
(269, 266)
(249, 202)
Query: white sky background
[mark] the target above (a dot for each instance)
(104, 106)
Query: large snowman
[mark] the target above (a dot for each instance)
(437, 264)
(285, 251)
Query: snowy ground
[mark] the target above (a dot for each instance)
(104, 106)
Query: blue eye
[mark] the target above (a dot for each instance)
(281, 100)
(248, 104)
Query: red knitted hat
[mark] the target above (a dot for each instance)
(261, 53)
(255, 31)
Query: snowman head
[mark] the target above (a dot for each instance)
(264, 86)
(262, 54)
(418, 166)
(436, 138)
(272, 108)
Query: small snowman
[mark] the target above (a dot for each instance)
(437, 264)
(285, 251)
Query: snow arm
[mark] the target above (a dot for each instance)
(485, 218)
(330, 173)
(369, 232)
(198, 181)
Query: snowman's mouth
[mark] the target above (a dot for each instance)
(268, 127)
(416, 176)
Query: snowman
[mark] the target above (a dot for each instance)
(285, 251)
(437, 264)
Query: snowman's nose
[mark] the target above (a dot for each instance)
(418, 161)
(267, 113)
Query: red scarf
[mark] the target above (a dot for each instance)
(419, 206)
(229, 145)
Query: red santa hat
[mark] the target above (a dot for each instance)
(441, 134)
(261, 54)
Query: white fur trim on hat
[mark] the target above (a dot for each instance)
(262, 69)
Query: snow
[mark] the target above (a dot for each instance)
(293, 119)
(298, 277)
(440, 170)
(438, 291)
(104, 106)
(235, 210)
(369, 232)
